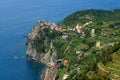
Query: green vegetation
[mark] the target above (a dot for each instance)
(98, 16)
(113, 66)
(42, 42)
(81, 48)
(107, 30)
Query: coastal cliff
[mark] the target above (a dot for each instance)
(40, 36)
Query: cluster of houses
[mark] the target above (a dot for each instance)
(51, 25)
(78, 28)
(55, 27)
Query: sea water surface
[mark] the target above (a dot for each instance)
(17, 17)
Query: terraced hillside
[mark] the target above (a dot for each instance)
(112, 68)
(92, 35)
(83, 39)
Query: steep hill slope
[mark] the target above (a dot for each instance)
(79, 42)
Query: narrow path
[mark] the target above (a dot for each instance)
(53, 72)
(46, 56)
(66, 49)
(50, 73)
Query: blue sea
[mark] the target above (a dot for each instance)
(17, 17)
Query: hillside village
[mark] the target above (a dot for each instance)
(78, 48)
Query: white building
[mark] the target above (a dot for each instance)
(64, 36)
(78, 28)
(65, 76)
(92, 33)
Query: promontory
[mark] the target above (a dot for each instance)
(83, 46)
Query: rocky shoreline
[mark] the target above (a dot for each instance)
(44, 58)
(31, 52)
(42, 76)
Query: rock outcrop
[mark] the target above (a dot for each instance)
(36, 32)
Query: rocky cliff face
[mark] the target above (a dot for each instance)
(43, 55)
